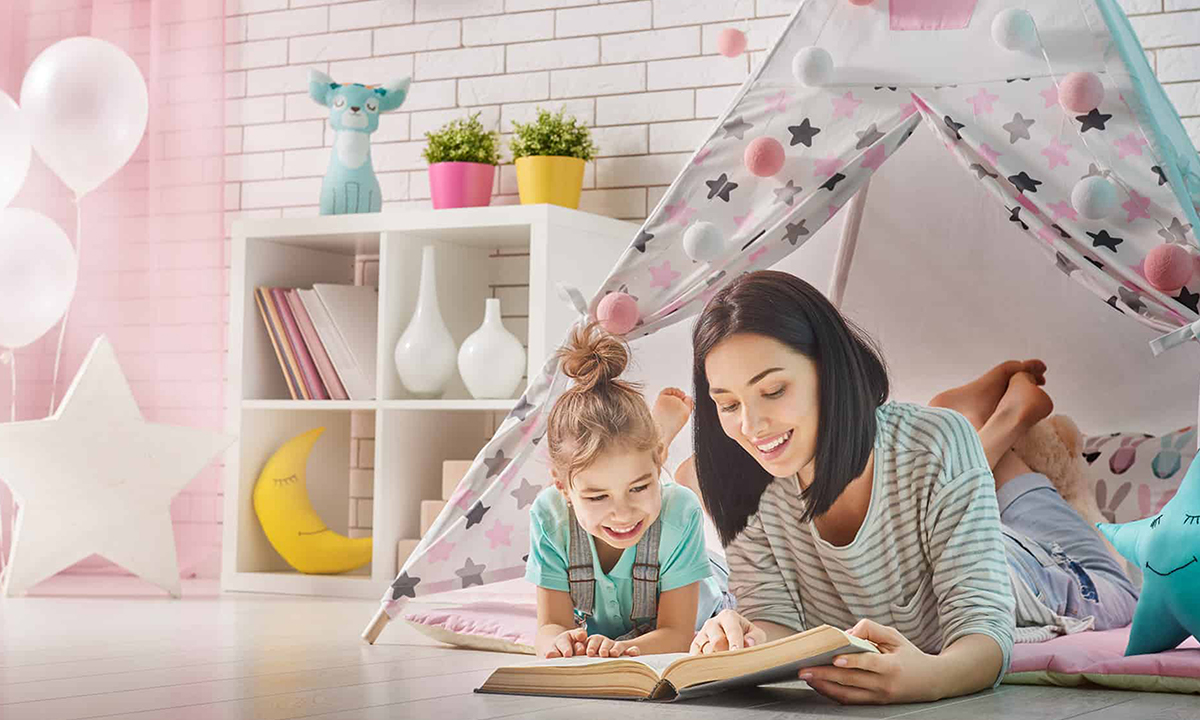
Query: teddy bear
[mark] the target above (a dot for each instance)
(1054, 448)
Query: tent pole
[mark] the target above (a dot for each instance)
(845, 253)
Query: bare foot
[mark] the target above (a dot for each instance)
(1023, 405)
(977, 400)
(671, 411)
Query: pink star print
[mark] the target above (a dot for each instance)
(701, 155)
(874, 157)
(1050, 95)
(1026, 203)
(989, 154)
(1048, 235)
(1063, 209)
(680, 213)
(1130, 145)
(440, 552)
(663, 276)
(741, 220)
(778, 102)
(826, 167)
(754, 256)
(845, 105)
(1137, 207)
(983, 102)
(1056, 153)
(500, 534)
(908, 110)
(462, 498)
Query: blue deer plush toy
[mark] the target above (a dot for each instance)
(350, 185)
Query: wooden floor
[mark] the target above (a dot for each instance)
(128, 654)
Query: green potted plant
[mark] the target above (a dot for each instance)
(462, 159)
(550, 153)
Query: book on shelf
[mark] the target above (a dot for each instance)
(676, 676)
(316, 348)
(270, 320)
(315, 389)
(353, 312)
(324, 339)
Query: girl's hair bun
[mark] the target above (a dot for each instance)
(593, 357)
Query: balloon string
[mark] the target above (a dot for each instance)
(62, 328)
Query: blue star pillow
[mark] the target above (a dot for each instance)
(1166, 547)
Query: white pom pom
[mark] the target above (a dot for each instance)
(813, 67)
(1094, 197)
(703, 241)
(1014, 29)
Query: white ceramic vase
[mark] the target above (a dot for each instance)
(425, 354)
(491, 361)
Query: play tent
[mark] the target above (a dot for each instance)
(1050, 105)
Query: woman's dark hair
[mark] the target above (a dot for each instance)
(852, 383)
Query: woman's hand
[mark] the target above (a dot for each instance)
(900, 673)
(600, 646)
(568, 644)
(727, 631)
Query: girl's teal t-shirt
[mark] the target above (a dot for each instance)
(683, 558)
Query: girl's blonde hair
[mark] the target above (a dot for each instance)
(601, 412)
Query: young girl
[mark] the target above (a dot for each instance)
(916, 527)
(618, 556)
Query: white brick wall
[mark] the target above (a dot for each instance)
(644, 73)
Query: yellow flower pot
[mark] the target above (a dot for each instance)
(550, 179)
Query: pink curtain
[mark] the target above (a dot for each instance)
(151, 242)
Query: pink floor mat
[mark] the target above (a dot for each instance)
(1089, 658)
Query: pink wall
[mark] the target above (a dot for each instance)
(153, 256)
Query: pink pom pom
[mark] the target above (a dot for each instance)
(731, 42)
(764, 156)
(1081, 92)
(617, 313)
(1168, 267)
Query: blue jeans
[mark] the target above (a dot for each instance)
(1060, 557)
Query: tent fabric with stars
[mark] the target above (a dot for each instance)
(1049, 104)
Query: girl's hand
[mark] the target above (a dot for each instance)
(568, 644)
(600, 646)
(900, 673)
(727, 631)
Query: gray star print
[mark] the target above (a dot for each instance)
(737, 128)
(1017, 129)
(795, 231)
(405, 586)
(788, 193)
(496, 463)
(470, 573)
(526, 494)
(868, 137)
(1176, 233)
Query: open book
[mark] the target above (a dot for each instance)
(676, 676)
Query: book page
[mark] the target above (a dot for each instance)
(657, 663)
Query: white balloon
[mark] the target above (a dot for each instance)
(1095, 198)
(813, 67)
(15, 151)
(86, 104)
(703, 241)
(1014, 29)
(38, 270)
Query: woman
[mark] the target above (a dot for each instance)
(841, 508)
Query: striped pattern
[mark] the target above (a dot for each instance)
(928, 560)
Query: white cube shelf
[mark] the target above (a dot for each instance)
(412, 436)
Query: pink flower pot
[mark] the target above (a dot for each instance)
(461, 184)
